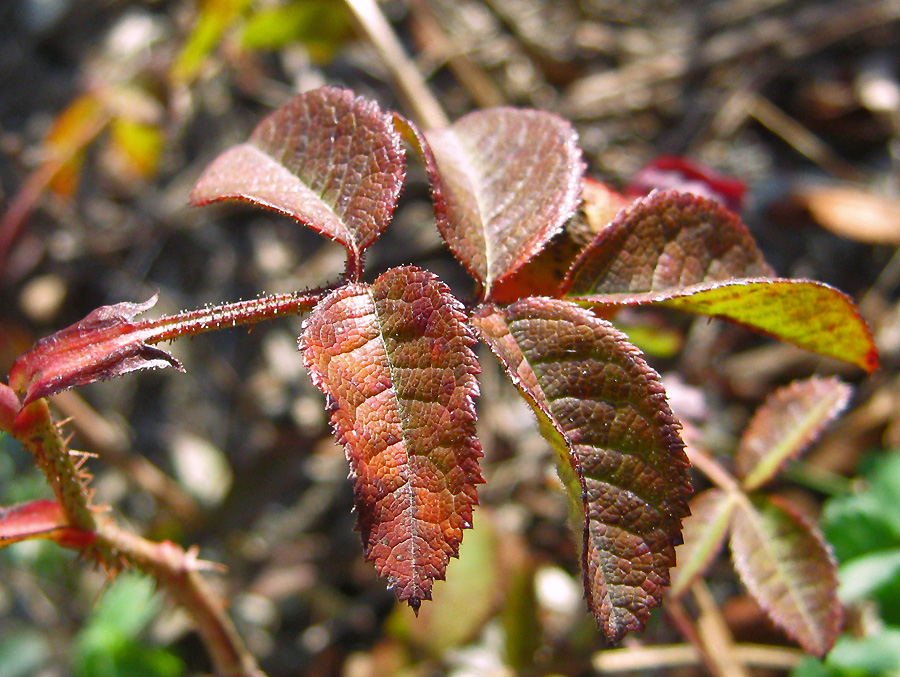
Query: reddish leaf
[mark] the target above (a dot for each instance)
(544, 274)
(788, 567)
(504, 181)
(396, 363)
(40, 519)
(808, 314)
(9, 407)
(326, 159)
(669, 172)
(785, 425)
(704, 533)
(102, 345)
(603, 409)
(664, 241)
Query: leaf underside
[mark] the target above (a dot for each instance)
(664, 241)
(788, 568)
(806, 313)
(327, 159)
(504, 182)
(395, 360)
(603, 409)
(785, 425)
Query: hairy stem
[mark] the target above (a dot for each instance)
(36, 430)
(202, 320)
(177, 572)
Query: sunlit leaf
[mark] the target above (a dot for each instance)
(665, 241)
(329, 160)
(785, 425)
(788, 568)
(620, 456)
(40, 519)
(544, 274)
(102, 345)
(809, 314)
(504, 182)
(396, 363)
(704, 533)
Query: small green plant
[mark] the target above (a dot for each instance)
(552, 256)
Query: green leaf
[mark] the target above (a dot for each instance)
(214, 18)
(866, 575)
(704, 533)
(504, 182)
(785, 425)
(321, 25)
(396, 363)
(327, 159)
(667, 241)
(808, 314)
(788, 568)
(619, 454)
(868, 521)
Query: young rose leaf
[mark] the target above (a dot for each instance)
(40, 519)
(788, 567)
(504, 182)
(102, 345)
(604, 411)
(395, 360)
(809, 314)
(326, 159)
(663, 241)
(785, 425)
(544, 274)
(670, 172)
(705, 530)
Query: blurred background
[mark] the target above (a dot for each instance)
(109, 111)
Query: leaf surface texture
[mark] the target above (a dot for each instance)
(395, 360)
(604, 411)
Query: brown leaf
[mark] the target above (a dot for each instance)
(663, 241)
(604, 411)
(785, 425)
(788, 567)
(853, 212)
(396, 363)
(102, 345)
(504, 182)
(326, 159)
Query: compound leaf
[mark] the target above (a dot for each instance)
(785, 425)
(604, 411)
(663, 241)
(102, 345)
(326, 159)
(788, 568)
(504, 182)
(705, 530)
(809, 314)
(396, 363)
